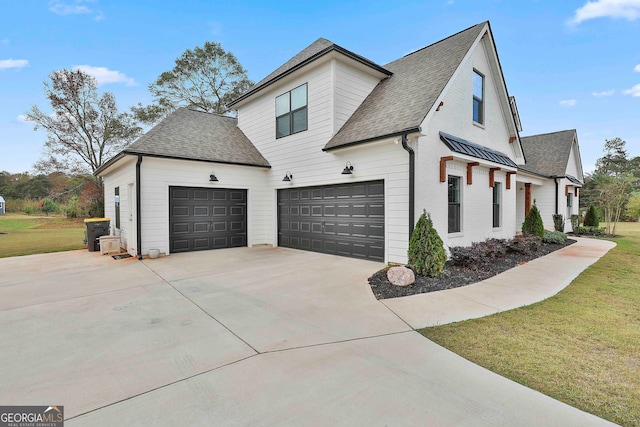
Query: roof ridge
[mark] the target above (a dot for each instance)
(550, 133)
(442, 40)
(207, 112)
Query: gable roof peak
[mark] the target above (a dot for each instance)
(447, 38)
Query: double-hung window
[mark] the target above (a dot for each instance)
(497, 201)
(454, 204)
(291, 112)
(478, 97)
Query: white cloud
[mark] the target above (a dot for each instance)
(13, 63)
(604, 93)
(568, 102)
(22, 118)
(74, 7)
(103, 75)
(637, 68)
(625, 9)
(634, 91)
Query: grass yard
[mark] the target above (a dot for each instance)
(581, 347)
(26, 235)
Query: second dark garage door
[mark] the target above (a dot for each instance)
(346, 219)
(206, 218)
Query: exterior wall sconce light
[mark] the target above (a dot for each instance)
(348, 169)
(213, 177)
(521, 188)
(287, 177)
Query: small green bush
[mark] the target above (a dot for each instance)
(526, 244)
(555, 237)
(558, 222)
(49, 206)
(533, 225)
(426, 250)
(591, 218)
(589, 231)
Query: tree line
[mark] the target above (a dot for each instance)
(84, 128)
(613, 189)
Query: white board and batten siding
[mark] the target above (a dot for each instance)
(456, 118)
(329, 106)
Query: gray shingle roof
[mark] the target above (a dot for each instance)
(548, 153)
(402, 101)
(195, 135)
(459, 145)
(312, 52)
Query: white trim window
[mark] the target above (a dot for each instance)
(478, 97)
(291, 112)
(455, 205)
(497, 204)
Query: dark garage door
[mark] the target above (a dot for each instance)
(206, 218)
(345, 219)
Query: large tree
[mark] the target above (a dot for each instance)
(205, 79)
(85, 128)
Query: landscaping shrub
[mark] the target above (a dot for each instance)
(478, 253)
(524, 244)
(555, 237)
(589, 231)
(591, 219)
(558, 222)
(426, 250)
(533, 225)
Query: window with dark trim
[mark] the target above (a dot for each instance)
(478, 97)
(291, 112)
(497, 201)
(569, 204)
(454, 204)
(117, 203)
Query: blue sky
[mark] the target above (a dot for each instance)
(570, 64)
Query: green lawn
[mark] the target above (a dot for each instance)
(26, 235)
(581, 347)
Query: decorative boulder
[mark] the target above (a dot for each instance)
(401, 276)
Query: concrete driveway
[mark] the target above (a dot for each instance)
(247, 336)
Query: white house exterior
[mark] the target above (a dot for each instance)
(552, 176)
(332, 153)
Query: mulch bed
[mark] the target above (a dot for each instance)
(456, 276)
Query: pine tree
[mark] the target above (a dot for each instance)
(533, 222)
(426, 250)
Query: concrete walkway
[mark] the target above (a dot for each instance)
(524, 285)
(246, 336)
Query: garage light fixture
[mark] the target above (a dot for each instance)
(213, 177)
(287, 177)
(348, 169)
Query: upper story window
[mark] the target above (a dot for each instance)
(291, 112)
(478, 97)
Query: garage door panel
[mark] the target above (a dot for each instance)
(206, 218)
(348, 219)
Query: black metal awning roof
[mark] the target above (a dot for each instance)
(461, 146)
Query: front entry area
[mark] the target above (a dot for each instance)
(206, 218)
(344, 219)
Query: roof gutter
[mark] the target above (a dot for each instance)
(376, 138)
(138, 212)
(412, 182)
